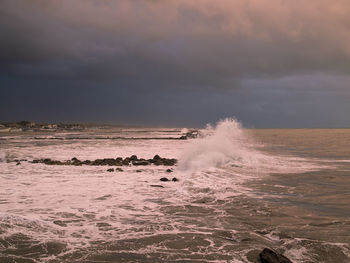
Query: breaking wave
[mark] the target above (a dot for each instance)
(227, 145)
(219, 146)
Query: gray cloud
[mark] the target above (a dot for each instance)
(178, 42)
(177, 47)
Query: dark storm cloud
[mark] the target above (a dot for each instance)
(176, 42)
(184, 51)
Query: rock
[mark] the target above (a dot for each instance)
(169, 162)
(110, 170)
(133, 158)
(157, 185)
(174, 179)
(139, 171)
(18, 163)
(126, 162)
(97, 162)
(158, 162)
(141, 162)
(109, 161)
(169, 170)
(156, 157)
(76, 162)
(164, 179)
(270, 256)
(192, 134)
(119, 169)
(48, 161)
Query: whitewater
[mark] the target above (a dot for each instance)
(237, 191)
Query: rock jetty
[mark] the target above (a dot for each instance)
(119, 161)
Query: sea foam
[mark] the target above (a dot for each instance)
(228, 145)
(222, 145)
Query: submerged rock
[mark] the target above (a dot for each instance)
(174, 179)
(157, 185)
(119, 169)
(270, 256)
(110, 170)
(164, 179)
(169, 170)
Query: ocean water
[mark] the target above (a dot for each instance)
(239, 191)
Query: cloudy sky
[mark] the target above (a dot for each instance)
(269, 63)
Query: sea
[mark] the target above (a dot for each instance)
(237, 192)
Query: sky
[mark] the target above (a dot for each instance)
(268, 63)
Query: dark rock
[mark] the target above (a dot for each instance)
(192, 134)
(48, 161)
(109, 161)
(140, 162)
(156, 157)
(169, 170)
(183, 137)
(110, 170)
(138, 171)
(133, 158)
(157, 185)
(97, 162)
(158, 162)
(270, 256)
(18, 163)
(174, 179)
(164, 179)
(119, 169)
(76, 162)
(126, 162)
(169, 162)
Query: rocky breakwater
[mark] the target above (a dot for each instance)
(119, 161)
